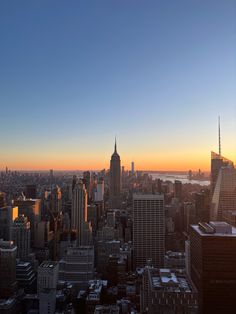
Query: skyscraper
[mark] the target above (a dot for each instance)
(217, 161)
(115, 180)
(7, 217)
(224, 196)
(31, 191)
(79, 214)
(148, 229)
(20, 235)
(132, 167)
(47, 284)
(213, 271)
(8, 282)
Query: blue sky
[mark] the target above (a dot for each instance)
(73, 74)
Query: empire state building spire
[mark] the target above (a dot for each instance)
(115, 180)
(115, 151)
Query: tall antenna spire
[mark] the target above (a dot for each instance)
(115, 146)
(219, 136)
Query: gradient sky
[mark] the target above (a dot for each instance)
(75, 73)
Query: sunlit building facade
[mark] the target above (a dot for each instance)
(224, 196)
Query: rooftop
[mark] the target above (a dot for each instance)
(148, 197)
(215, 228)
(48, 264)
(167, 280)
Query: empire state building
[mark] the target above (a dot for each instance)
(115, 180)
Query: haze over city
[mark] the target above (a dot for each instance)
(156, 76)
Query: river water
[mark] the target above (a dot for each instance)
(181, 177)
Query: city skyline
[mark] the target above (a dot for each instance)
(156, 75)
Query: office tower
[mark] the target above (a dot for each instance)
(167, 291)
(47, 276)
(8, 284)
(31, 191)
(224, 196)
(79, 222)
(148, 229)
(87, 182)
(47, 285)
(111, 219)
(2, 199)
(202, 205)
(20, 235)
(93, 217)
(7, 215)
(56, 200)
(174, 260)
(51, 178)
(77, 266)
(43, 235)
(178, 189)
(217, 162)
(32, 210)
(213, 271)
(25, 276)
(132, 167)
(115, 181)
(99, 192)
(47, 301)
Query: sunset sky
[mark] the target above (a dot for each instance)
(156, 74)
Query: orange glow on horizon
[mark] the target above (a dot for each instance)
(180, 161)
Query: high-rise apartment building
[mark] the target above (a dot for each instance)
(20, 235)
(148, 229)
(115, 180)
(213, 271)
(8, 284)
(224, 196)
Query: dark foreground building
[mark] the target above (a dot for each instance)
(213, 266)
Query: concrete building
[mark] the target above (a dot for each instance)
(47, 276)
(77, 266)
(213, 271)
(47, 285)
(148, 229)
(20, 234)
